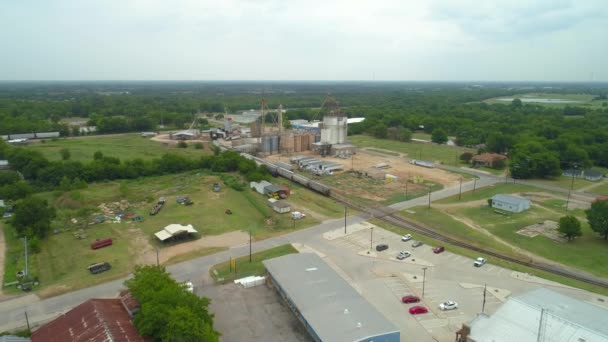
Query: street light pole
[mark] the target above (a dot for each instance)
(344, 220)
(423, 280)
(249, 244)
(474, 184)
(157, 257)
(460, 191)
(371, 239)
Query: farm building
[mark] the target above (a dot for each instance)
(259, 186)
(540, 315)
(185, 135)
(328, 307)
(280, 207)
(4, 165)
(488, 159)
(175, 231)
(95, 320)
(510, 203)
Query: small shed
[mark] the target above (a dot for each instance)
(281, 207)
(510, 203)
(259, 186)
(175, 231)
(273, 190)
(593, 175)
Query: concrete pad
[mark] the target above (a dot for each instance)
(350, 229)
(534, 279)
(500, 294)
(384, 256)
(412, 278)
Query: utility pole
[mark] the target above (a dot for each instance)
(345, 220)
(460, 191)
(407, 181)
(574, 168)
(157, 258)
(429, 197)
(26, 266)
(371, 239)
(27, 320)
(483, 305)
(250, 244)
(474, 184)
(423, 280)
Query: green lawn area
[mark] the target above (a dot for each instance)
(224, 272)
(601, 190)
(493, 261)
(587, 252)
(489, 191)
(61, 264)
(432, 152)
(566, 182)
(421, 135)
(127, 146)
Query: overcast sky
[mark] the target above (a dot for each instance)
(483, 40)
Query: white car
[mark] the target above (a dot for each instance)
(479, 262)
(189, 286)
(403, 254)
(449, 305)
(406, 237)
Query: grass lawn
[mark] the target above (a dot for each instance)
(425, 151)
(566, 182)
(584, 100)
(224, 273)
(601, 190)
(127, 146)
(498, 262)
(391, 153)
(489, 191)
(62, 262)
(587, 252)
(421, 135)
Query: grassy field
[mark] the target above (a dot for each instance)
(487, 192)
(566, 182)
(424, 151)
(123, 146)
(62, 262)
(224, 273)
(498, 262)
(601, 190)
(583, 100)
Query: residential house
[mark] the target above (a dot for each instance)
(4, 165)
(488, 159)
(510, 203)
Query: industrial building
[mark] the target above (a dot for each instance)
(539, 315)
(328, 307)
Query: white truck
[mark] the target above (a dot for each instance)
(296, 215)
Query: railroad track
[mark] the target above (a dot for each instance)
(391, 216)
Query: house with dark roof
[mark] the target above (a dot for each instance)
(510, 203)
(95, 320)
(593, 175)
(4, 165)
(590, 175)
(487, 159)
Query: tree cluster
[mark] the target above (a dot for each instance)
(168, 312)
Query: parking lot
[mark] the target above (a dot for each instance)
(435, 278)
(253, 314)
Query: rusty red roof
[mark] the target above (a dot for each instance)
(96, 320)
(488, 157)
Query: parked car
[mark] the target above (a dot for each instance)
(406, 237)
(438, 250)
(216, 187)
(449, 305)
(417, 244)
(189, 286)
(381, 247)
(403, 254)
(99, 267)
(410, 299)
(479, 262)
(415, 310)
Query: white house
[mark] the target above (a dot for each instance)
(510, 203)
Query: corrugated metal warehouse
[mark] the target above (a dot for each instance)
(330, 309)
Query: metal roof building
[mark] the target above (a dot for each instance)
(542, 315)
(510, 203)
(330, 309)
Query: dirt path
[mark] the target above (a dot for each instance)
(592, 186)
(148, 256)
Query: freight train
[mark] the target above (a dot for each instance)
(294, 177)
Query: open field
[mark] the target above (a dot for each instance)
(473, 220)
(244, 268)
(566, 182)
(601, 189)
(123, 146)
(61, 265)
(414, 150)
(581, 100)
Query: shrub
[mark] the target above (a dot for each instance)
(182, 144)
(198, 146)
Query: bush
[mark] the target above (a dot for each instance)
(182, 144)
(198, 146)
(233, 182)
(466, 157)
(490, 202)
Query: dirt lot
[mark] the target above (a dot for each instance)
(377, 189)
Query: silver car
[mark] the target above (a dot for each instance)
(403, 254)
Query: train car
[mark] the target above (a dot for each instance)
(247, 156)
(320, 188)
(300, 180)
(285, 173)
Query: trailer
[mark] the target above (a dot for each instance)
(101, 243)
(422, 163)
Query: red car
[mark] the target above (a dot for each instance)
(415, 310)
(438, 250)
(410, 299)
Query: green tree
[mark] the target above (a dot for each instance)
(98, 155)
(466, 157)
(516, 103)
(597, 216)
(168, 312)
(65, 154)
(439, 136)
(570, 227)
(33, 217)
(380, 131)
(182, 144)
